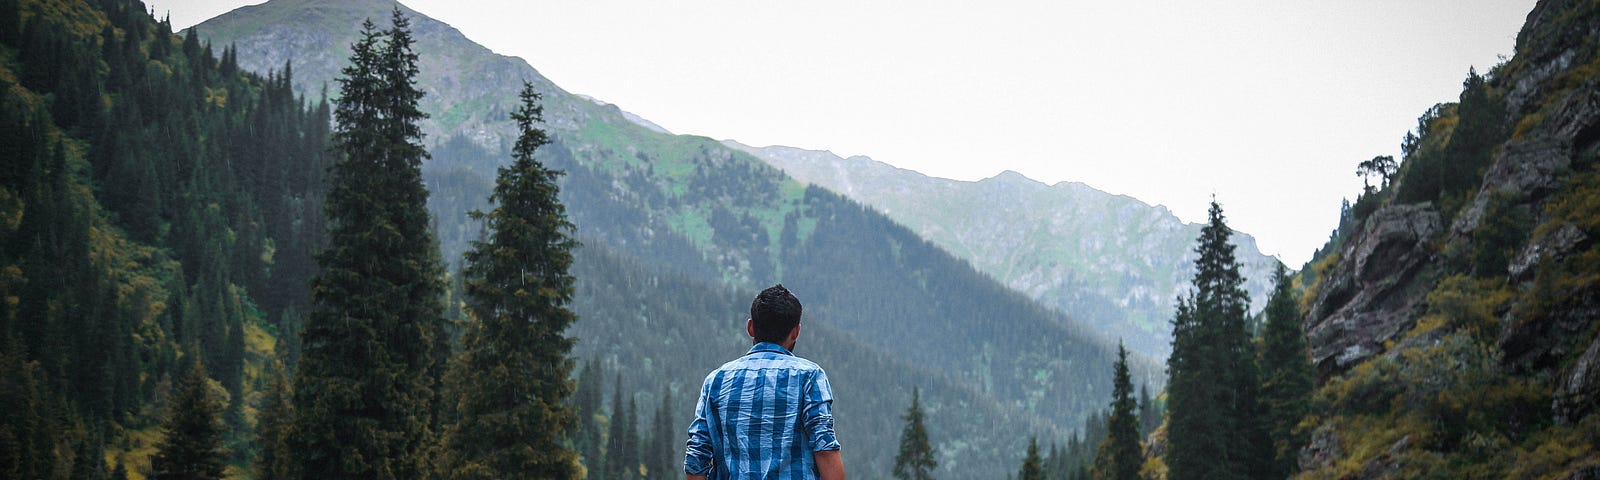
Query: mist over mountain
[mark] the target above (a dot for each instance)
(1113, 261)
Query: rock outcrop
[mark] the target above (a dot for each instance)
(1375, 292)
(1579, 390)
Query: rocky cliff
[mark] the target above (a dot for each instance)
(1475, 311)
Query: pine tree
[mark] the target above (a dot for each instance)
(587, 402)
(667, 457)
(192, 447)
(1149, 414)
(1214, 429)
(1120, 455)
(511, 379)
(621, 460)
(1032, 465)
(915, 460)
(273, 429)
(10, 22)
(1287, 377)
(374, 343)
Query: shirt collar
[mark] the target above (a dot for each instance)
(768, 347)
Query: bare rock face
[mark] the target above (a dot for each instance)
(1524, 170)
(1374, 294)
(1323, 449)
(1586, 473)
(1540, 343)
(1579, 391)
(1564, 241)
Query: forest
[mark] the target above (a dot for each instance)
(208, 275)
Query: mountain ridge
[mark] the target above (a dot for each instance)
(1064, 261)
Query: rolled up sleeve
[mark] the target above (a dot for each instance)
(819, 413)
(697, 459)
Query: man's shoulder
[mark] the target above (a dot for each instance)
(764, 361)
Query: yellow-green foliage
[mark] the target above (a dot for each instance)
(1558, 452)
(1155, 466)
(134, 450)
(1320, 268)
(1558, 279)
(79, 18)
(1465, 304)
(1443, 391)
(1527, 124)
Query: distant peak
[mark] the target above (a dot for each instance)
(1012, 176)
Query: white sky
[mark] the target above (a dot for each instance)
(1268, 104)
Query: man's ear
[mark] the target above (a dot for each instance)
(750, 327)
(794, 333)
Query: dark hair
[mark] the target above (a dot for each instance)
(774, 312)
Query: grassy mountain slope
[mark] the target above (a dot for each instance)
(1113, 261)
(692, 207)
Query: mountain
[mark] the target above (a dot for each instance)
(1113, 261)
(680, 231)
(1454, 317)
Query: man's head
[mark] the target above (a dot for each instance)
(774, 315)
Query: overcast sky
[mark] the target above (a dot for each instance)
(1266, 104)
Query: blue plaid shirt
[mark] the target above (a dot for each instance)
(761, 417)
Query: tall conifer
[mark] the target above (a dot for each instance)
(1214, 430)
(273, 429)
(1032, 465)
(586, 400)
(1149, 414)
(1120, 456)
(622, 460)
(374, 341)
(192, 447)
(1286, 375)
(511, 379)
(915, 460)
(666, 459)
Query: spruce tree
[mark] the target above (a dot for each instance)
(667, 457)
(1120, 456)
(273, 429)
(1149, 414)
(1287, 377)
(1032, 465)
(374, 342)
(192, 446)
(587, 402)
(915, 460)
(621, 458)
(1214, 429)
(511, 379)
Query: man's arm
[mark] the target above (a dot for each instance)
(830, 465)
(697, 460)
(818, 412)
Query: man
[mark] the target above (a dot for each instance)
(769, 414)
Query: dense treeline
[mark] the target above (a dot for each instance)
(1234, 400)
(159, 204)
